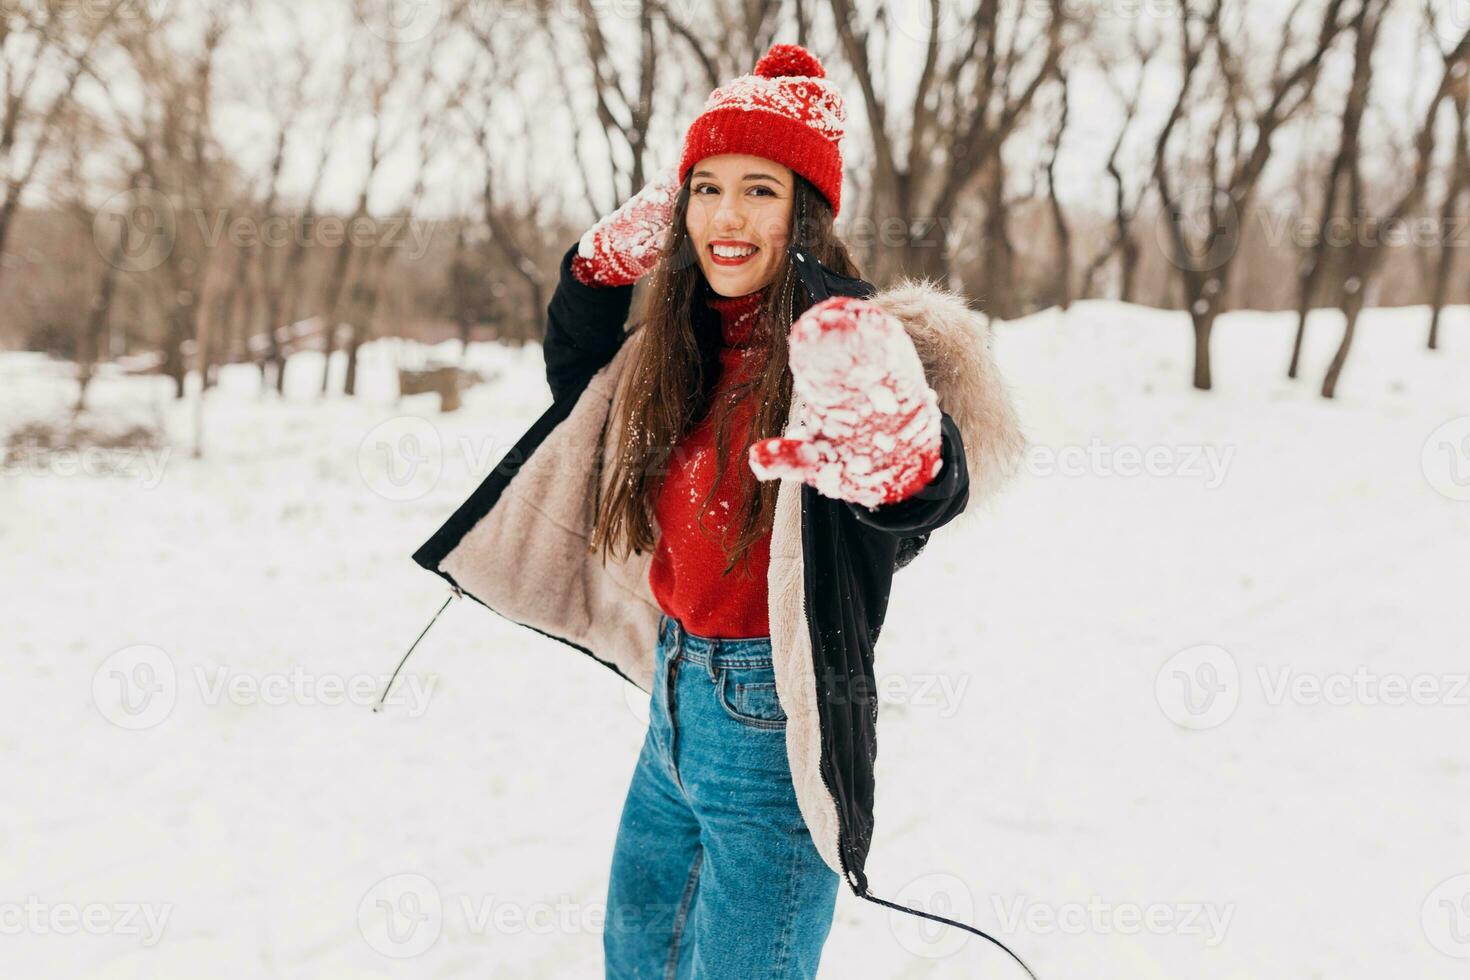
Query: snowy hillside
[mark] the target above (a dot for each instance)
(1186, 703)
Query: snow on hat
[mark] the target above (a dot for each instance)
(786, 111)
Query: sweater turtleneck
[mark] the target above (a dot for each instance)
(686, 572)
(737, 315)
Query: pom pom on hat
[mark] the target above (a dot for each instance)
(789, 60)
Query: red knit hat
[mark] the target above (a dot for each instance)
(786, 111)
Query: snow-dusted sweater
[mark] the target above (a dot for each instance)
(686, 574)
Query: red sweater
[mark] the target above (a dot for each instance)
(686, 574)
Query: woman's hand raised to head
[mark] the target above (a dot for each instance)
(872, 423)
(622, 246)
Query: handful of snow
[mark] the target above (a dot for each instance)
(865, 426)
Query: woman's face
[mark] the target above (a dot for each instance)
(738, 220)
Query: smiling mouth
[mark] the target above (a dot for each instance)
(732, 255)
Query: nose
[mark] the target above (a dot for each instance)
(729, 215)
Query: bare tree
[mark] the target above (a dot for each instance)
(1125, 77)
(176, 165)
(387, 68)
(1241, 125)
(624, 108)
(478, 112)
(970, 97)
(1452, 209)
(1063, 279)
(71, 187)
(1365, 252)
(43, 56)
(732, 35)
(281, 278)
(1364, 28)
(368, 289)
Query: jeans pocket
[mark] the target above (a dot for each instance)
(748, 695)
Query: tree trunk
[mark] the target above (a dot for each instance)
(1129, 268)
(998, 296)
(1306, 285)
(1204, 324)
(1064, 250)
(180, 327)
(1448, 213)
(354, 341)
(1440, 287)
(1351, 307)
(90, 351)
(1365, 36)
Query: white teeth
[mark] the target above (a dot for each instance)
(731, 252)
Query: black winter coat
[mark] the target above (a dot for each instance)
(518, 543)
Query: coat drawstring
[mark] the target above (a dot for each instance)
(865, 893)
(939, 918)
(384, 696)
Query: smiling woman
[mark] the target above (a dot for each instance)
(743, 590)
(739, 220)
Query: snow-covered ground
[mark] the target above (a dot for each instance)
(1204, 721)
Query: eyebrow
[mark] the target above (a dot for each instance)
(706, 173)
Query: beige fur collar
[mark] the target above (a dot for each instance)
(954, 345)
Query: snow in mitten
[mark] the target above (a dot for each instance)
(621, 247)
(867, 427)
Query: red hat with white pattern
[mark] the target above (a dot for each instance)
(786, 111)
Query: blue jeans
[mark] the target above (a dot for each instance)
(714, 873)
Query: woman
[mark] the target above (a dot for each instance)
(714, 506)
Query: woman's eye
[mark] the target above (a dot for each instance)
(758, 190)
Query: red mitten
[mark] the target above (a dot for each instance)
(872, 422)
(624, 245)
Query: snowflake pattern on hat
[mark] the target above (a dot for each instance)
(814, 102)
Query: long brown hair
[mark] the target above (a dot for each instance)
(666, 388)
